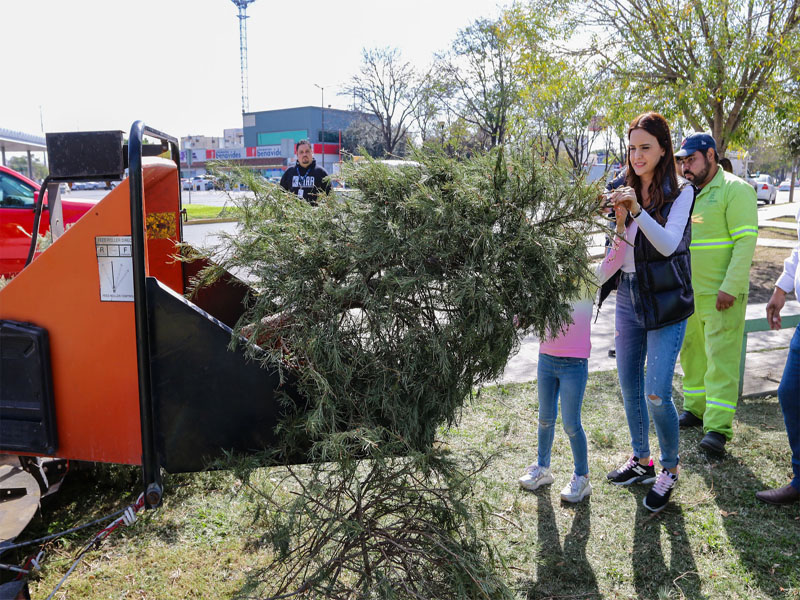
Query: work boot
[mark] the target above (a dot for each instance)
(688, 419)
(787, 494)
(714, 443)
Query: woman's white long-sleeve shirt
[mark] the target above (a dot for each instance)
(664, 238)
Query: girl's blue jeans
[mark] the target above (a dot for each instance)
(564, 377)
(647, 393)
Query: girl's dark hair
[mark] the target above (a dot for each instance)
(657, 126)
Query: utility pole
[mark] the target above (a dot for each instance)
(242, 6)
(322, 108)
(41, 124)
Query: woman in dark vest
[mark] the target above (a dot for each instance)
(654, 299)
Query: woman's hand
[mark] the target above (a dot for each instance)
(620, 213)
(626, 197)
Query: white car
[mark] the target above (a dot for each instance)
(766, 190)
(202, 183)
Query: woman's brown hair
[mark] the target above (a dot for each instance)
(657, 126)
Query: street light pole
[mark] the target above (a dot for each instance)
(322, 109)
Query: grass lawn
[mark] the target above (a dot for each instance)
(777, 233)
(196, 212)
(766, 268)
(713, 541)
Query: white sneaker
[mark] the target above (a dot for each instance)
(577, 489)
(535, 476)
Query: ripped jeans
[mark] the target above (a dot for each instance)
(647, 394)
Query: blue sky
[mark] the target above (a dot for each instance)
(102, 64)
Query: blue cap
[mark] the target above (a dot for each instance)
(695, 142)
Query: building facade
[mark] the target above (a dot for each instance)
(266, 142)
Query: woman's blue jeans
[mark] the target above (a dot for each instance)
(564, 377)
(647, 393)
(789, 397)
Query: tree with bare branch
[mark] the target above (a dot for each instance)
(481, 67)
(385, 87)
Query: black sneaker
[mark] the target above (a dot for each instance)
(688, 419)
(713, 442)
(659, 494)
(632, 472)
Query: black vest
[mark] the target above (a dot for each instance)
(665, 282)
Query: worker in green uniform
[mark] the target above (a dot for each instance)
(724, 232)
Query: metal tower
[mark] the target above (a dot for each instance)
(242, 6)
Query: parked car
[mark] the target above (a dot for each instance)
(186, 184)
(766, 190)
(786, 184)
(202, 182)
(18, 195)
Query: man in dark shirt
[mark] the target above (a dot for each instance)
(305, 178)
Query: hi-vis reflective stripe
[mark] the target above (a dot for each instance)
(723, 404)
(710, 244)
(746, 230)
(694, 391)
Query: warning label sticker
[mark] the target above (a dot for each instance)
(115, 264)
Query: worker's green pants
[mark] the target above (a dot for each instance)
(710, 361)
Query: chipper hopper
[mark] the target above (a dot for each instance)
(103, 358)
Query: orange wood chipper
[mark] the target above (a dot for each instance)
(102, 357)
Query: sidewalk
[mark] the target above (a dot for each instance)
(766, 350)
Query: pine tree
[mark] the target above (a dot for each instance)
(387, 308)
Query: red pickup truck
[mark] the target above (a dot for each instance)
(18, 196)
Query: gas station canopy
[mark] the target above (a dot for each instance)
(16, 141)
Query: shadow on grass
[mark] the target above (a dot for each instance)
(652, 578)
(562, 572)
(764, 537)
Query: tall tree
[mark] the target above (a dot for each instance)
(361, 134)
(563, 109)
(384, 87)
(717, 60)
(429, 113)
(481, 66)
(561, 94)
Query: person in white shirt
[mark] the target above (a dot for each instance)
(789, 389)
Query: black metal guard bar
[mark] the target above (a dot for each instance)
(37, 215)
(151, 471)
